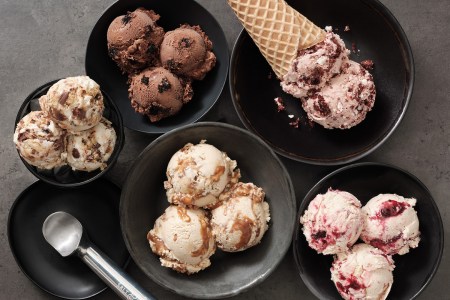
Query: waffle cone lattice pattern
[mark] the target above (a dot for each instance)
(278, 30)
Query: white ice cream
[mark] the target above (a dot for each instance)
(363, 272)
(183, 239)
(40, 141)
(344, 101)
(198, 174)
(333, 221)
(89, 150)
(75, 103)
(241, 220)
(315, 66)
(391, 224)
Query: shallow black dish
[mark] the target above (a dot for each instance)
(143, 200)
(414, 270)
(378, 36)
(65, 176)
(101, 68)
(95, 205)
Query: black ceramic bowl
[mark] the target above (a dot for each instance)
(143, 200)
(378, 36)
(65, 277)
(101, 68)
(64, 176)
(414, 270)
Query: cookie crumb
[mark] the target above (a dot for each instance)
(280, 104)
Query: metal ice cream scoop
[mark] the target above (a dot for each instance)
(65, 233)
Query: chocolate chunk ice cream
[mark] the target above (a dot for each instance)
(74, 103)
(188, 51)
(40, 141)
(134, 40)
(158, 93)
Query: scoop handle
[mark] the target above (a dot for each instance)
(113, 275)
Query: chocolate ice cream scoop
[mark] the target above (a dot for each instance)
(187, 51)
(158, 93)
(134, 40)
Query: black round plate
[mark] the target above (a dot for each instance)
(95, 205)
(101, 68)
(65, 176)
(378, 36)
(414, 270)
(143, 200)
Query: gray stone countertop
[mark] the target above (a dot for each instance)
(46, 39)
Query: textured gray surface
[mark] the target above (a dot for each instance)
(45, 39)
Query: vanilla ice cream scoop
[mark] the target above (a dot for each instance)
(198, 174)
(241, 220)
(183, 239)
(75, 103)
(363, 272)
(315, 66)
(89, 150)
(391, 224)
(333, 221)
(40, 141)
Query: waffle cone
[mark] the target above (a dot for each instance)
(277, 29)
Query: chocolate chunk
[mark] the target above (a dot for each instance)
(75, 153)
(148, 30)
(185, 43)
(156, 109)
(152, 49)
(164, 85)
(57, 115)
(63, 98)
(172, 65)
(112, 51)
(321, 106)
(126, 19)
(79, 113)
(315, 76)
(367, 64)
(144, 80)
(22, 136)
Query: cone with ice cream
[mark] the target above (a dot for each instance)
(277, 29)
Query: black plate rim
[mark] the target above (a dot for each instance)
(409, 61)
(158, 131)
(297, 232)
(255, 281)
(16, 258)
(113, 159)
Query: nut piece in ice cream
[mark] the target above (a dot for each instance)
(344, 101)
(183, 239)
(158, 93)
(363, 272)
(40, 141)
(241, 219)
(333, 221)
(187, 51)
(75, 103)
(90, 149)
(315, 66)
(198, 174)
(391, 224)
(134, 40)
